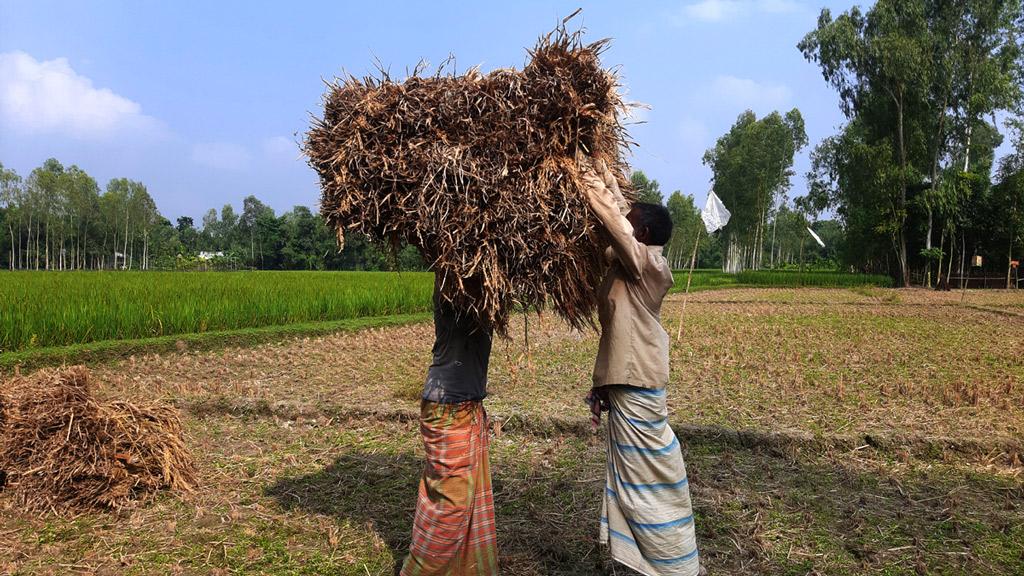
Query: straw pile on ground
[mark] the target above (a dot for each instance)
(60, 449)
(481, 172)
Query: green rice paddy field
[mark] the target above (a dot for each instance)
(40, 309)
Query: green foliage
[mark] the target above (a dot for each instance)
(1006, 214)
(5, 241)
(932, 253)
(916, 80)
(834, 237)
(752, 167)
(57, 219)
(857, 181)
(39, 309)
(648, 191)
(686, 224)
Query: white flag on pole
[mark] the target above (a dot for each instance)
(714, 215)
(816, 237)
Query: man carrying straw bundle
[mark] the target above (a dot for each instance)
(453, 530)
(646, 517)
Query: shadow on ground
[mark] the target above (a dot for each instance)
(758, 511)
(380, 491)
(769, 512)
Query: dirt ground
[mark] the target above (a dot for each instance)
(825, 432)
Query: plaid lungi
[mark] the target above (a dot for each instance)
(453, 531)
(646, 516)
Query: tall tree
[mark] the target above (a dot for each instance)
(11, 198)
(251, 228)
(1007, 203)
(686, 225)
(752, 168)
(303, 248)
(187, 234)
(227, 231)
(648, 191)
(853, 178)
(209, 235)
(163, 245)
(879, 64)
(83, 215)
(917, 77)
(146, 218)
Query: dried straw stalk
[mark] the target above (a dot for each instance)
(60, 449)
(481, 172)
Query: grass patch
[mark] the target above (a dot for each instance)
(46, 309)
(105, 351)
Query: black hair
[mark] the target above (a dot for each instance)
(657, 220)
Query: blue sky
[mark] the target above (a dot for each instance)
(205, 102)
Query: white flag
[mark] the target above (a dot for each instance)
(816, 237)
(714, 215)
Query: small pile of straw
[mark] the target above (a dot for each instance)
(481, 172)
(62, 449)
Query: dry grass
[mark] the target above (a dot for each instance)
(310, 458)
(824, 361)
(1010, 299)
(62, 450)
(321, 495)
(482, 173)
(857, 366)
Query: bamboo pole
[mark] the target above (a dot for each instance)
(964, 281)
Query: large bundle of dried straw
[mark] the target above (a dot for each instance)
(61, 449)
(482, 173)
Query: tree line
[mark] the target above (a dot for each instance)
(58, 218)
(912, 178)
(781, 228)
(912, 175)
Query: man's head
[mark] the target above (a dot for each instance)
(652, 224)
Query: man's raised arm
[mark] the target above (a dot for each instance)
(611, 207)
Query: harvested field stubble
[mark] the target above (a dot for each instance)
(482, 173)
(336, 496)
(312, 451)
(61, 449)
(830, 362)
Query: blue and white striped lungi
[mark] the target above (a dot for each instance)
(646, 516)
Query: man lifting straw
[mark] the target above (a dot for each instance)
(646, 516)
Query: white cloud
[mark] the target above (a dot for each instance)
(221, 155)
(746, 93)
(779, 6)
(49, 97)
(721, 10)
(281, 147)
(713, 10)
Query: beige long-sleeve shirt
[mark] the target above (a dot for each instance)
(634, 348)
